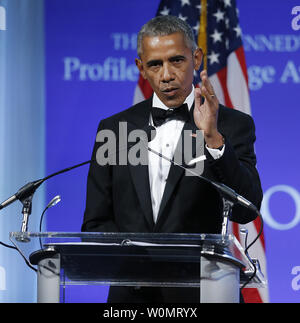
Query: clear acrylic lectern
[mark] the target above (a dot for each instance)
(215, 263)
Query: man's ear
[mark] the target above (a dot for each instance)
(139, 64)
(198, 55)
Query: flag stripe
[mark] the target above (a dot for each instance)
(138, 95)
(241, 57)
(145, 87)
(236, 84)
(215, 82)
(222, 75)
(257, 224)
(252, 295)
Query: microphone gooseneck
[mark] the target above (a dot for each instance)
(229, 195)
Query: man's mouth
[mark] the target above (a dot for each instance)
(170, 91)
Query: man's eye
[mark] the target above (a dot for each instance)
(154, 64)
(178, 60)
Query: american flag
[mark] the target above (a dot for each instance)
(216, 27)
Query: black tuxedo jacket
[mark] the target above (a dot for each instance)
(118, 196)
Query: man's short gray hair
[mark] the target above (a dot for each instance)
(163, 26)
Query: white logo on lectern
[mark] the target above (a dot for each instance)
(2, 278)
(2, 18)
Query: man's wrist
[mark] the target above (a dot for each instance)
(215, 141)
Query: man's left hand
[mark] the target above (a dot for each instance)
(206, 114)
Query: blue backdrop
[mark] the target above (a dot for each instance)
(22, 133)
(90, 74)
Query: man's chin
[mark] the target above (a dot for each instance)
(172, 101)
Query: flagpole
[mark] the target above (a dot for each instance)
(202, 41)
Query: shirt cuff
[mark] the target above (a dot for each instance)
(216, 153)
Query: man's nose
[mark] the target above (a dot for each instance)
(167, 73)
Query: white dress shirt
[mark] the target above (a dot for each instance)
(165, 142)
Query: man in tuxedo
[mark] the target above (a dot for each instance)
(159, 196)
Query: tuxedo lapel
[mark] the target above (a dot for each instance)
(176, 172)
(139, 119)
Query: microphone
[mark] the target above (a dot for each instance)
(29, 189)
(22, 193)
(25, 193)
(226, 191)
(52, 203)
